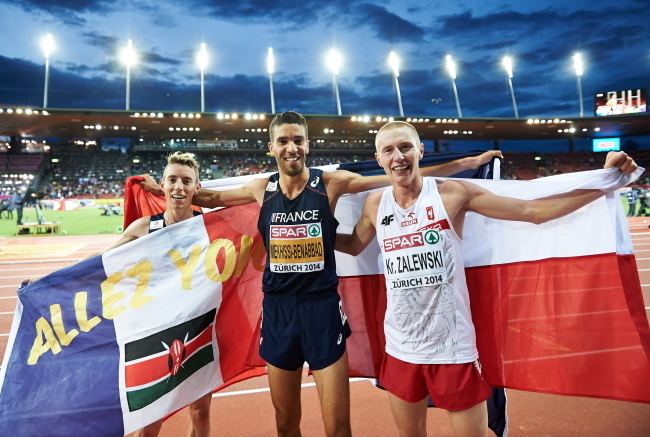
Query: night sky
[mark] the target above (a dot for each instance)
(541, 36)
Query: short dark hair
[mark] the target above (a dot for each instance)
(289, 117)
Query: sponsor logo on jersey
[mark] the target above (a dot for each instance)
(315, 182)
(403, 242)
(156, 224)
(272, 186)
(410, 219)
(430, 215)
(386, 221)
(431, 237)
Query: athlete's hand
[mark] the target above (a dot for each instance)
(486, 157)
(621, 160)
(149, 184)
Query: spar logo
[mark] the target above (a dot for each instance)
(403, 242)
(288, 232)
(314, 230)
(431, 237)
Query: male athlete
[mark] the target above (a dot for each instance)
(430, 338)
(303, 320)
(180, 183)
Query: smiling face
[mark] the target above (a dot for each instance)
(290, 146)
(398, 152)
(180, 183)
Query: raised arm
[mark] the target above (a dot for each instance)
(364, 230)
(135, 230)
(344, 182)
(456, 166)
(207, 198)
(249, 193)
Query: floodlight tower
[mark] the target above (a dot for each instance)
(270, 68)
(129, 57)
(394, 63)
(507, 65)
(47, 45)
(202, 59)
(334, 63)
(579, 67)
(451, 70)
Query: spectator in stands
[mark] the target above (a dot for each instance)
(17, 204)
(5, 206)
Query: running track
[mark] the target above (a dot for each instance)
(245, 409)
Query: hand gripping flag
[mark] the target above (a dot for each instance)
(557, 308)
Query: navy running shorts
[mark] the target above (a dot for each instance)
(308, 328)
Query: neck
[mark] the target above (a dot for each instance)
(293, 185)
(175, 215)
(406, 195)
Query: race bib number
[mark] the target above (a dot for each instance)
(296, 248)
(414, 260)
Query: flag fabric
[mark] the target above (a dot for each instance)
(557, 309)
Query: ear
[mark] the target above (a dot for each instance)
(421, 151)
(306, 146)
(270, 147)
(198, 187)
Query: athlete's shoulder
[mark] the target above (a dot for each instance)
(138, 228)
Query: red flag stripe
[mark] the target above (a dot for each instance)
(145, 372)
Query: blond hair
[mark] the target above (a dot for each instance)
(183, 158)
(398, 125)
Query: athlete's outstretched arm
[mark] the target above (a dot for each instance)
(208, 198)
(343, 181)
(364, 230)
(135, 230)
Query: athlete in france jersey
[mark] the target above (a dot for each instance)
(299, 236)
(428, 319)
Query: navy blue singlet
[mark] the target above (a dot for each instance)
(299, 237)
(157, 222)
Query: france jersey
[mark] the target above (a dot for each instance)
(299, 236)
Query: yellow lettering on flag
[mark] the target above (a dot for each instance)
(142, 271)
(230, 257)
(186, 266)
(80, 310)
(57, 322)
(111, 297)
(244, 254)
(45, 340)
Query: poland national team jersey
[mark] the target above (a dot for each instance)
(428, 319)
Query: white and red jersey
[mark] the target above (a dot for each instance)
(428, 318)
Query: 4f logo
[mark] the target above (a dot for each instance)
(387, 220)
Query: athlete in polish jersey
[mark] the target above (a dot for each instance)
(299, 281)
(430, 338)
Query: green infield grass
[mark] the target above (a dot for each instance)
(83, 221)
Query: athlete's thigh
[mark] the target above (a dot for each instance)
(470, 422)
(410, 417)
(202, 404)
(333, 387)
(285, 387)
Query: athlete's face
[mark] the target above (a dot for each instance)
(399, 153)
(290, 146)
(180, 184)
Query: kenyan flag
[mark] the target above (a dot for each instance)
(157, 364)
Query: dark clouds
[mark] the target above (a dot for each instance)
(386, 25)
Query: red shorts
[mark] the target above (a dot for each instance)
(453, 387)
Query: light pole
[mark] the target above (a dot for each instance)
(334, 63)
(129, 57)
(451, 70)
(579, 67)
(202, 59)
(270, 68)
(394, 62)
(47, 45)
(507, 65)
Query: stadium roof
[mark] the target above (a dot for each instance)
(89, 124)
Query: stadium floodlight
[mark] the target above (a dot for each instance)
(202, 59)
(394, 63)
(451, 69)
(508, 66)
(334, 62)
(129, 57)
(579, 67)
(47, 45)
(270, 68)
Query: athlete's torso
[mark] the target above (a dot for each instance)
(299, 236)
(428, 319)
